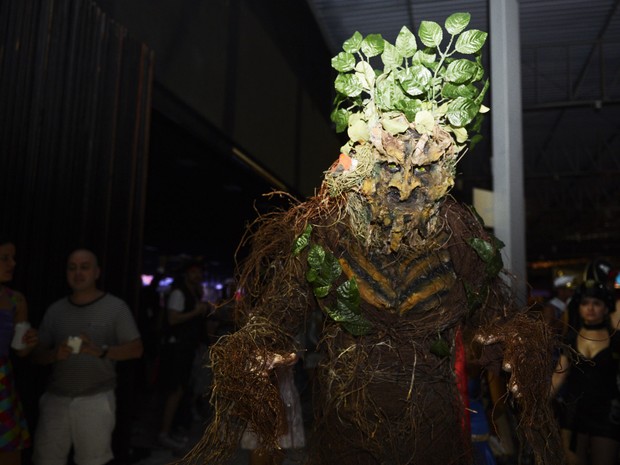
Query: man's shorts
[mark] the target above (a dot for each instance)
(86, 423)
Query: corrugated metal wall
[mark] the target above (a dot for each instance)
(75, 95)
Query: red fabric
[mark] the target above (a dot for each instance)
(461, 376)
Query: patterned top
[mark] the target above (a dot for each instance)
(14, 433)
(6, 324)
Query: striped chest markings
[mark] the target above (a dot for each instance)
(414, 283)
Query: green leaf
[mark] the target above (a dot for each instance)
(353, 43)
(457, 22)
(480, 97)
(302, 241)
(462, 111)
(460, 134)
(406, 43)
(484, 249)
(322, 291)
(348, 84)
(347, 311)
(372, 45)
(395, 125)
(474, 141)
(470, 41)
(424, 57)
(424, 122)
(341, 118)
(387, 92)
(495, 266)
(476, 125)
(453, 91)
(348, 296)
(330, 269)
(430, 33)
(343, 62)
(440, 348)
(440, 112)
(358, 130)
(475, 299)
(366, 75)
(316, 256)
(391, 57)
(489, 253)
(415, 80)
(409, 107)
(312, 275)
(357, 325)
(460, 71)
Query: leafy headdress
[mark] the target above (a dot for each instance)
(432, 91)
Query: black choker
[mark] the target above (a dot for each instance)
(602, 325)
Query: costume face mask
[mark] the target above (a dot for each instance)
(409, 179)
(411, 114)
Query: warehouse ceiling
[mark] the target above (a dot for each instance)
(570, 84)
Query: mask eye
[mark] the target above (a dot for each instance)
(393, 167)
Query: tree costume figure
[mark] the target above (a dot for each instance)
(399, 268)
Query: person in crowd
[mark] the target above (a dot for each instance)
(186, 318)
(82, 336)
(150, 324)
(588, 369)
(14, 433)
(555, 310)
(224, 312)
(601, 271)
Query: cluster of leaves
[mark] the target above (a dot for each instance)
(490, 253)
(323, 270)
(428, 86)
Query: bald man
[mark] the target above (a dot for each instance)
(82, 336)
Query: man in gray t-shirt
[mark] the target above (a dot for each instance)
(82, 335)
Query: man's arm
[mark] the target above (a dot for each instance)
(47, 356)
(176, 317)
(31, 338)
(125, 351)
(175, 306)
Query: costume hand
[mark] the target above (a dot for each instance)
(265, 365)
(509, 355)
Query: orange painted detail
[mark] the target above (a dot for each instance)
(344, 161)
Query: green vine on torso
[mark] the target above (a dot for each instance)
(323, 271)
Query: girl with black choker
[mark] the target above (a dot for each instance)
(587, 373)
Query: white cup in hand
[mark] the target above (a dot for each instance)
(75, 342)
(18, 336)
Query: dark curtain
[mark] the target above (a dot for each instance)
(75, 94)
(75, 98)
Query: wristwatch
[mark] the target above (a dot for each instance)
(104, 352)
